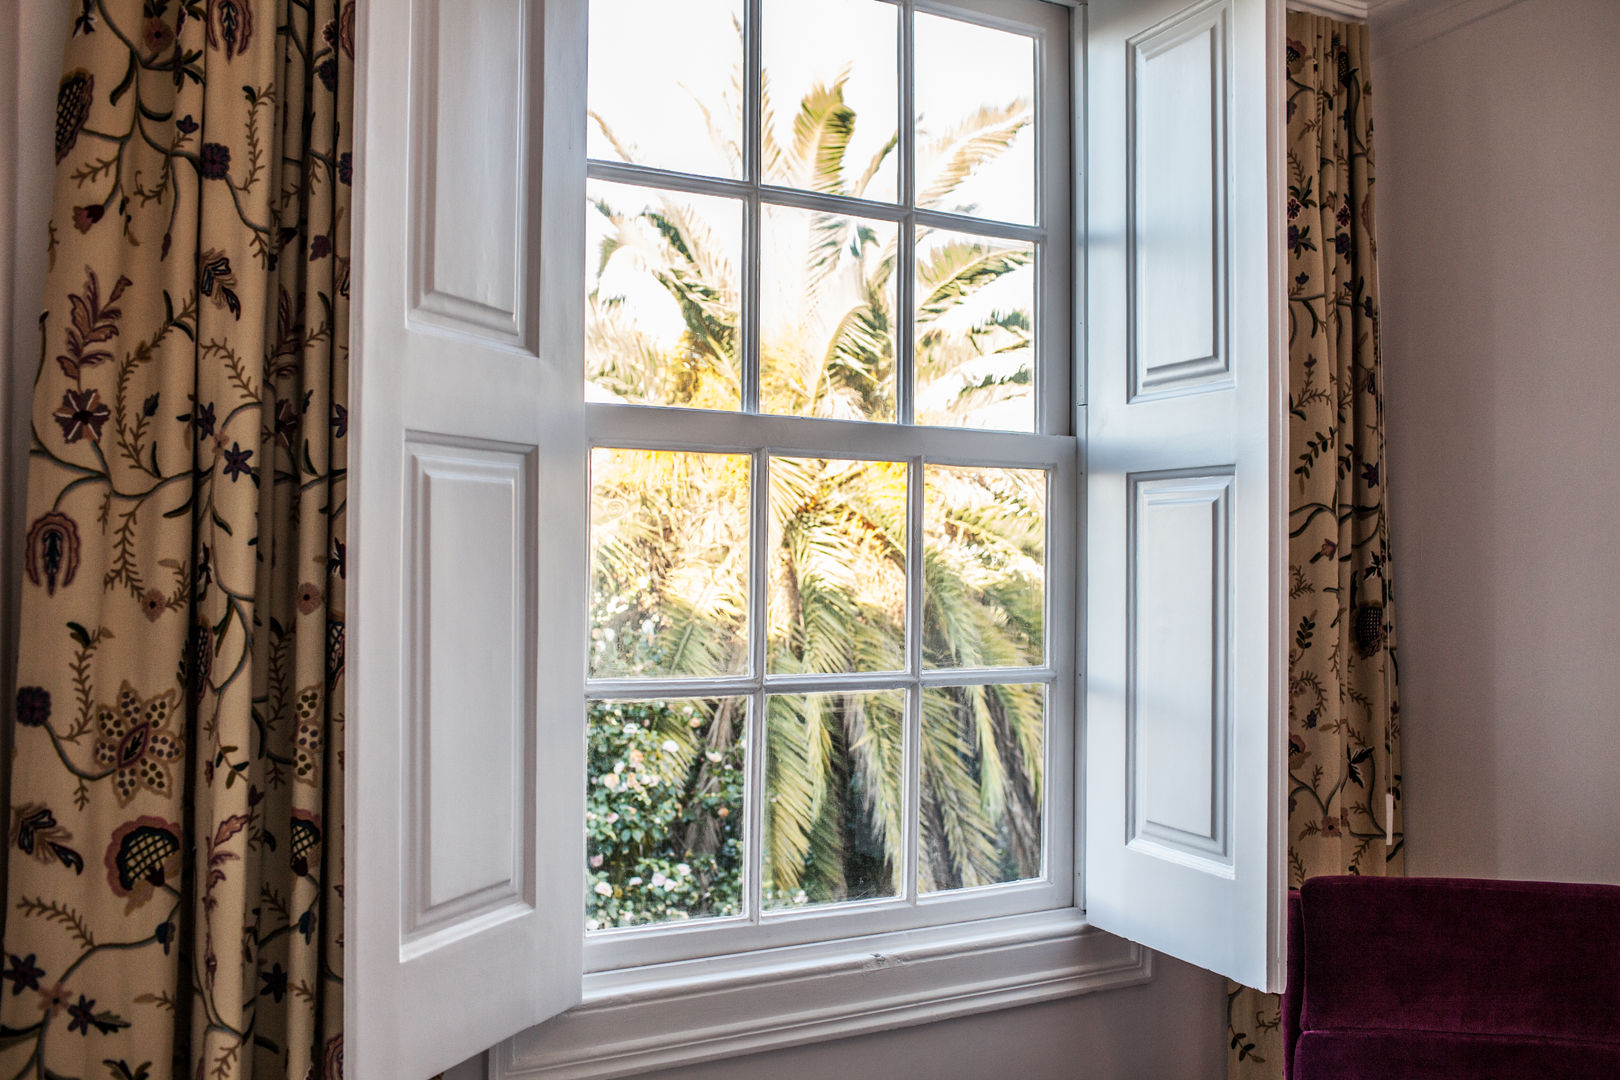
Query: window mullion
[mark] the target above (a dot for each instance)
(905, 345)
(754, 173)
(911, 744)
(754, 793)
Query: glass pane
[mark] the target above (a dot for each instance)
(837, 564)
(661, 297)
(666, 84)
(975, 331)
(833, 806)
(669, 563)
(826, 315)
(982, 749)
(831, 104)
(664, 811)
(975, 116)
(984, 567)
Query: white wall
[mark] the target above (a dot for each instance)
(1499, 185)
(1170, 1029)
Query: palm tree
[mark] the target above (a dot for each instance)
(670, 530)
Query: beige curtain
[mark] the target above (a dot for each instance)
(1344, 768)
(176, 826)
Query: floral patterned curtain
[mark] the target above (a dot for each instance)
(1344, 767)
(176, 827)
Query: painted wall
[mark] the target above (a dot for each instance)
(1170, 1029)
(1499, 144)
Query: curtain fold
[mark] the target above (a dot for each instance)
(1344, 771)
(176, 827)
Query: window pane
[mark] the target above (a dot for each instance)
(669, 563)
(827, 315)
(837, 566)
(661, 301)
(833, 807)
(831, 104)
(982, 749)
(653, 101)
(664, 811)
(984, 567)
(975, 111)
(975, 331)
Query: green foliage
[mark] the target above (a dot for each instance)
(663, 813)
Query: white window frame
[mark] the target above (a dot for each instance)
(467, 369)
(1051, 447)
(681, 993)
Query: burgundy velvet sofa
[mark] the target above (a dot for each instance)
(1452, 979)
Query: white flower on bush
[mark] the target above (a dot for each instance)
(603, 889)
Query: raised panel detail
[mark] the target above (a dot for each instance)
(1178, 707)
(470, 72)
(1176, 100)
(469, 686)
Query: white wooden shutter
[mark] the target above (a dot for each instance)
(465, 869)
(1186, 501)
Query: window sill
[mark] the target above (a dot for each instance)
(638, 1019)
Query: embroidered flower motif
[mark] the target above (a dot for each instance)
(85, 217)
(82, 412)
(214, 162)
(340, 422)
(154, 604)
(135, 741)
(142, 856)
(334, 649)
(53, 1000)
(200, 661)
(332, 1065)
(73, 97)
(51, 554)
(202, 418)
(309, 598)
(304, 841)
(158, 35)
(310, 737)
(216, 281)
(22, 973)
(346, 167)
(230, 24)
(236, 462)
(275, 983)
(187, 125)
(326, 71)
(33, 706)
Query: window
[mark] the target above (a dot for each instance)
(693, 388)
(828, 353)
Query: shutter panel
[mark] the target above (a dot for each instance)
(465, 740)
(1185, 438)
